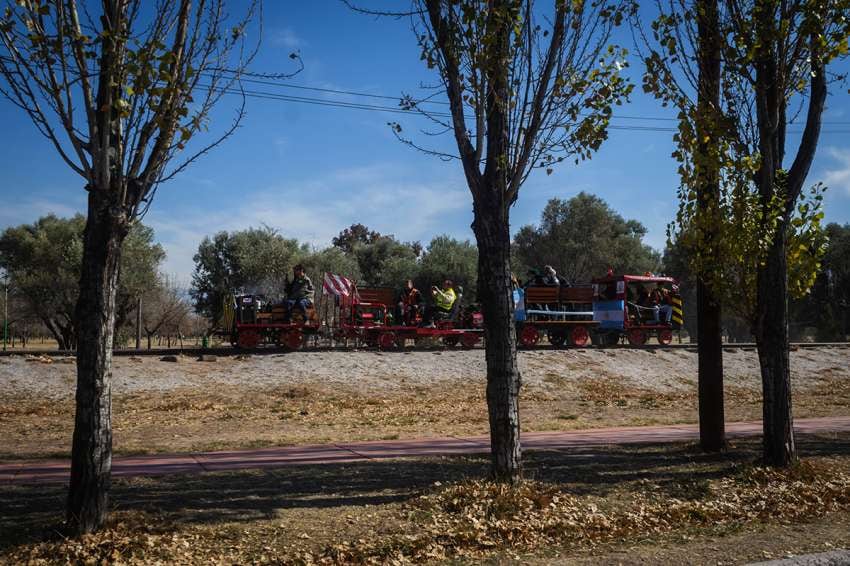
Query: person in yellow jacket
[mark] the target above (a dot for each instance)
(444, 300)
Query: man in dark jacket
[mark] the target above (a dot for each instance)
(299, 291)
(410, 304)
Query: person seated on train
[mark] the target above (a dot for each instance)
(444, 300)
(299, 291)
(410, 304)
(632, 310)
(665, 306)
(550, 277)
(644, 303)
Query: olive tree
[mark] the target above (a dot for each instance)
(583, 237)
(44, 258)
(255, 260)
(118, 90)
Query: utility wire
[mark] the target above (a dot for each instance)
(396, 110)
(279, 83)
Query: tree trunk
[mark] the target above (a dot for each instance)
(69, 338)
(712, 430)
(492, 233)
(709, 330)
(139, 324)
(91, 456)
(773, 349)
(55, 332)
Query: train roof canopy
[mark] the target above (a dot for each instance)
(635, 278)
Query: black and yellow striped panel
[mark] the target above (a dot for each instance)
(678, 316)
(228, 312)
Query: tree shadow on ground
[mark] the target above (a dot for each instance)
(31, 512)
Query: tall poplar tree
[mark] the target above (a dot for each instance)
(118, 90)
(760, 240)
(529, 85)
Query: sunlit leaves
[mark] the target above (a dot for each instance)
(728, 238)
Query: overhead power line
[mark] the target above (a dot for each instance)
(437, 114)
(267, 81)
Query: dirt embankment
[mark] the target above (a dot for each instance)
(309, 397)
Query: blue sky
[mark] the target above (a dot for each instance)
(309, 171)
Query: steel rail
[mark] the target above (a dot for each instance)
(231, 351)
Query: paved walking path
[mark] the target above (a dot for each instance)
(56, 471)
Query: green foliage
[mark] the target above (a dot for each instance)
(557, 74)
(748, 224)
(448, 258)
(385, 261)
(727, 237)
(827, 307)
(330, 260)
(44, 261)
(353, 235)
(582, 237)
(256, 260)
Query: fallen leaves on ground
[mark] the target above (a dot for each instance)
(474, 519)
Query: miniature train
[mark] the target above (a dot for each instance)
(603, 312)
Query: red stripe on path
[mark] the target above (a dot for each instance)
(56, 471)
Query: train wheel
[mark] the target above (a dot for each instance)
(292, 339)
(637, 337)
(665, 336)
(450, 341)
(248, 339)
(387, 341)
(529, 337)
(580, 336)
(469, 340)
(557, 338)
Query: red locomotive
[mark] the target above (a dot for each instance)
(250, 321)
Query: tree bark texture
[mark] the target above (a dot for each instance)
(712, 431)
(771, 324)
(492, 233)
(709, 336)
(91, 456)
(773, 348)
(139, 323)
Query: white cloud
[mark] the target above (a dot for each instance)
(385, 198)
(14, 213)
(838, 178)
(286, 37)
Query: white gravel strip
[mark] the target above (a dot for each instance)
(661, 370)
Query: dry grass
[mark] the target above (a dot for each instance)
(230, 416)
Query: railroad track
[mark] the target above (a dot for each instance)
(230, 351)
